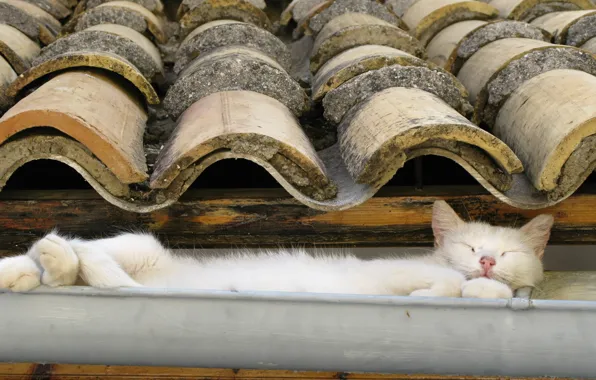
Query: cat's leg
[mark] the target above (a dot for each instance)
(445, 282)
(121, 261)
(485, 288)
(50, 261)
(98, 268)
(97, 263)
(19, 273)
(58, 260)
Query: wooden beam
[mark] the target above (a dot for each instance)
(68, 372)
(270, 217)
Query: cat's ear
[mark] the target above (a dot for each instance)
(537, 233)
(444, 221)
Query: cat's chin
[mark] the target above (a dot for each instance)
(480, 275)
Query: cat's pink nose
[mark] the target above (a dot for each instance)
(487, 262)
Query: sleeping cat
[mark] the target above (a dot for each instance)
(471, 259)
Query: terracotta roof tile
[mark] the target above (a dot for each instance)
(221, 33)
(452, 46)
(54, 7)
(110, 38)
(194, 13)
(93, 109)
(243, 124)
(32, 21)
(7, 76)
(234, 68)
(527, 10)
(155, 6)
(426, 18)
(124, 13)
(17, 48)
(355, 29)
(573, 28)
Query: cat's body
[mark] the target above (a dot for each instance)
(471, 260)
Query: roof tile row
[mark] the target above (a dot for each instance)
(495, 95)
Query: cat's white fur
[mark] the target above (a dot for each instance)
(452, 270)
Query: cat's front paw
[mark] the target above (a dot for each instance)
(59, 262)
(19, 274)
(485, 288)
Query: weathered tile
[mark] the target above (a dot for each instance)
(573, 28)
(7, 75)
(243, 124)
(221, 33)
(381, 133)
(155, 6)
(433, 80)
(54, 7)
(109, 62)
(550, 123)
(426, 18)
(356, 61)
(93, 109)
(17, 48)
(497, 69)
(528, 10)
(124, 13)
(32, 21)
(590, 46)
(355, 29)
(194, 13)
(314, 21)
(46, 146)
(234, 68)
(452, 46)
(297, 10)
(399, 7)
(110, 38)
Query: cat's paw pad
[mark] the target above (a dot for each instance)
(19, 274)
(423, 293)
(59, 262)
(485, 288)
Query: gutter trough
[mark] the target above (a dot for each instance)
(299, 331)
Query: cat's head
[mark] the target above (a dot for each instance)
(509, 255)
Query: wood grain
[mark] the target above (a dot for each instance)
(270, 217)
(25, 371)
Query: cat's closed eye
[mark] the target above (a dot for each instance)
(469, 246)
(508, 252)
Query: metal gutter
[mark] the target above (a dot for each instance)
(299, 331)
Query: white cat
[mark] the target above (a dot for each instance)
(470, 260)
